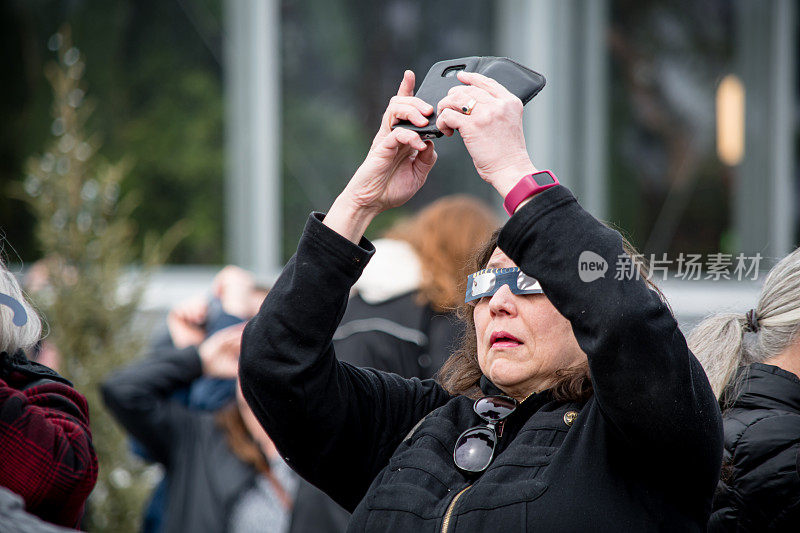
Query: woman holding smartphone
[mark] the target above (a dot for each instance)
(573, 403)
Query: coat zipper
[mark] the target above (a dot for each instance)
(450, 507)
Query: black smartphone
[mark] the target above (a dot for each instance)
(521, 81)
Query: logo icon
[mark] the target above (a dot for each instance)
(591, 266)
(20, 316)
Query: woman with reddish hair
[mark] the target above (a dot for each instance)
(400, 317)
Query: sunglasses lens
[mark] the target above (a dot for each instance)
(474, 449)
(483, 283)
(526, 283)
(495, 408)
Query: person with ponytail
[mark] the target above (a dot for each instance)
(752, 360)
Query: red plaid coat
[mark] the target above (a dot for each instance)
(46, 453)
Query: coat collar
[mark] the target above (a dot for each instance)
(489, 388)
(769, 387)
(17, 362)
(534, 401)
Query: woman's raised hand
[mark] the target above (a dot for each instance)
(492, 132)
(395, 168)
(219, 353)
(398, 161)
(185, 323)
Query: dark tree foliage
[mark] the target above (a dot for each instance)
(154, 68)
(667, 186)
(158, 90)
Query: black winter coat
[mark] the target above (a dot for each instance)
(206, 478)
(643, 454)
(398, 335)
(760, 489)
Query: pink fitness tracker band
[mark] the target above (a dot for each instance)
(527, 187)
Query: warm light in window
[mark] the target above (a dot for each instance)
(730, 120)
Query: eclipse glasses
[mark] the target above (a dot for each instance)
(489, 280)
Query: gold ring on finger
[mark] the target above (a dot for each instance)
(467, 109)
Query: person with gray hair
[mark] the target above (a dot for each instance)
(20, 326)
(753, 363)
(46, 453)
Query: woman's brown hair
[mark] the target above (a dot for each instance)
(461, 373)
(241, 443)
(445, 235)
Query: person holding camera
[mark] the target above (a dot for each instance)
(224, 472)
(571, 405)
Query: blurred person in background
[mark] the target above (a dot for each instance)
(400, 317)
(224, 472)
(573, 405)
(753, 363)
(233, 292)
(46, 452)
(233, 297)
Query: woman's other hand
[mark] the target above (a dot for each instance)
(234, 286)
(219, 354)
(185, 323)
(395, 168)
(492, 132)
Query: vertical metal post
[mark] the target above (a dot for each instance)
(784, 61)
(763, 191)
(252, 93)
(566, 124)
(526, 33)
(594, 94)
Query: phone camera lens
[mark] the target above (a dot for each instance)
(450, 72)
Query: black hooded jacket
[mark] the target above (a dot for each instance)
(642, 454)
(760, 486)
